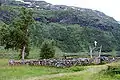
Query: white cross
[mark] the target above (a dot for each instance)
(95, 43)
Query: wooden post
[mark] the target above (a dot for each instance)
(90, 51)
(100, 50)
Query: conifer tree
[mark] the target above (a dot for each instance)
(47, 49)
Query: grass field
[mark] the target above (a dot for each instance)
(35, 53)
(94, 73)
(23, 72)
(26, 72)
(50, 73)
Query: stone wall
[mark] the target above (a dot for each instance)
(58, 62)
(53, 62)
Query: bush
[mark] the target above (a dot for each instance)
(47, 49)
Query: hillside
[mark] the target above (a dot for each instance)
(68, 14)
(72, 28)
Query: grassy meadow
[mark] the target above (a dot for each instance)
(26, 72)
(23, 72)
(96, 72)
(99, 72)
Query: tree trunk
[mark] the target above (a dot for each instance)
(23, 54)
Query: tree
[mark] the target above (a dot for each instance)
(47, 49)
(16, 35)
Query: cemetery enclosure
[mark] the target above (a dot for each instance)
(63, 62)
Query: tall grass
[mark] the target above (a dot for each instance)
(23, 72)
(8, 53)
(35, 53)
(106, 74)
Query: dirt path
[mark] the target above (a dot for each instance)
(88, 72)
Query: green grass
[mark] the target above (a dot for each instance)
(84, 77)
(73, 73)
(13, 54)
(23, 72)
(35, 53)
(87, 76)
(102, 75)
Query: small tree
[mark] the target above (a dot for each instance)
(16, 35)
(47, 49)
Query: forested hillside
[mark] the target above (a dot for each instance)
(73, 29)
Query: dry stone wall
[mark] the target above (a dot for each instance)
(59, 62)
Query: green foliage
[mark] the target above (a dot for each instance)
(47, 49)
(68, 28)
(111, 73)
(72, 38)
(8, 54)
(24, 72)
(16, 35)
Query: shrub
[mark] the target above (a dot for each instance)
(47, 49)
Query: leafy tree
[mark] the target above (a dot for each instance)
(16, 35)
(47, 49)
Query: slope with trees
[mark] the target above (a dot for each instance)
(73, 29)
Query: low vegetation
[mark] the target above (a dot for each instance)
(71, 36)
(47, 49)
(23, 72)
(76, 72)
(111, 72)
(67, 31)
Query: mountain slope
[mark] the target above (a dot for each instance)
(68, 14)
(73, 29)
